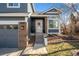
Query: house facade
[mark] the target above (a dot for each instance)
(19, 24)
(13, 24)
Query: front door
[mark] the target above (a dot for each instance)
(39, 26)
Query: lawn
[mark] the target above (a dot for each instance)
(63, 48)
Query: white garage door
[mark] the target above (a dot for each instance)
(8, 36)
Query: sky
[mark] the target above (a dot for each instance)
(40, 7)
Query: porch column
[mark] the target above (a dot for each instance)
(26, 20)
(59, 29)
(46, 25)
(59, 25)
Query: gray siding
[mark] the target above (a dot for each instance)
(11, 18)
(4, 9)
(53, 30)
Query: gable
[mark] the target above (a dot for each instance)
(52, 11)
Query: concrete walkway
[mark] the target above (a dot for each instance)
(10, 52)
(26, 52)
(34, 51)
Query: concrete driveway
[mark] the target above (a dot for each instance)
(24, 52)
(10, 52)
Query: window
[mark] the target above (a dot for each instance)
(13, 5)
(53, 24)
(8, 26)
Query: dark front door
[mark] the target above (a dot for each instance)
(39, 33)
(39, 26)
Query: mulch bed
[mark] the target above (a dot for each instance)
(59, 39)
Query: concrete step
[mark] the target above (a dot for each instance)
(33, 51)
(38, 46)
(39, 40)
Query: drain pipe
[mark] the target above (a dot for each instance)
(28, 17)
(30, 11)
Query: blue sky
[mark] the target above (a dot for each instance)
(40, 7)
(44, 6)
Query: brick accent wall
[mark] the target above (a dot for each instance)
(22, 35)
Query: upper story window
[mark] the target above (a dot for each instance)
(13, 5)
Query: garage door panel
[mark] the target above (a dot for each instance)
(9, 38)
(2, 43)
(12, 38)
(2, 39)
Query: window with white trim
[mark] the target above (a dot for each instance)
(13, 5)
(53, 24)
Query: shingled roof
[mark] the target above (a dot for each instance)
(52, 10)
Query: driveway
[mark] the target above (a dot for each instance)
(24, 52)
(10, 52)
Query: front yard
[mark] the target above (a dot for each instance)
(61, 47)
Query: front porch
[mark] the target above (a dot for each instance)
(34, 23)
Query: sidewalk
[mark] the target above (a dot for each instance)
(26, 52)
(33, 51)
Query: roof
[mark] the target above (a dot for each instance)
(52, 10)
(38, 15)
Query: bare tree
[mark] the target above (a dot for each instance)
(73, 17)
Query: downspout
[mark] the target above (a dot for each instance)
(30, 13)
(28, 32)
(28, 21)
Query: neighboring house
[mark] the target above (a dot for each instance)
(19, 23)
(53, 16)
(42, 24)
(13, 24)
